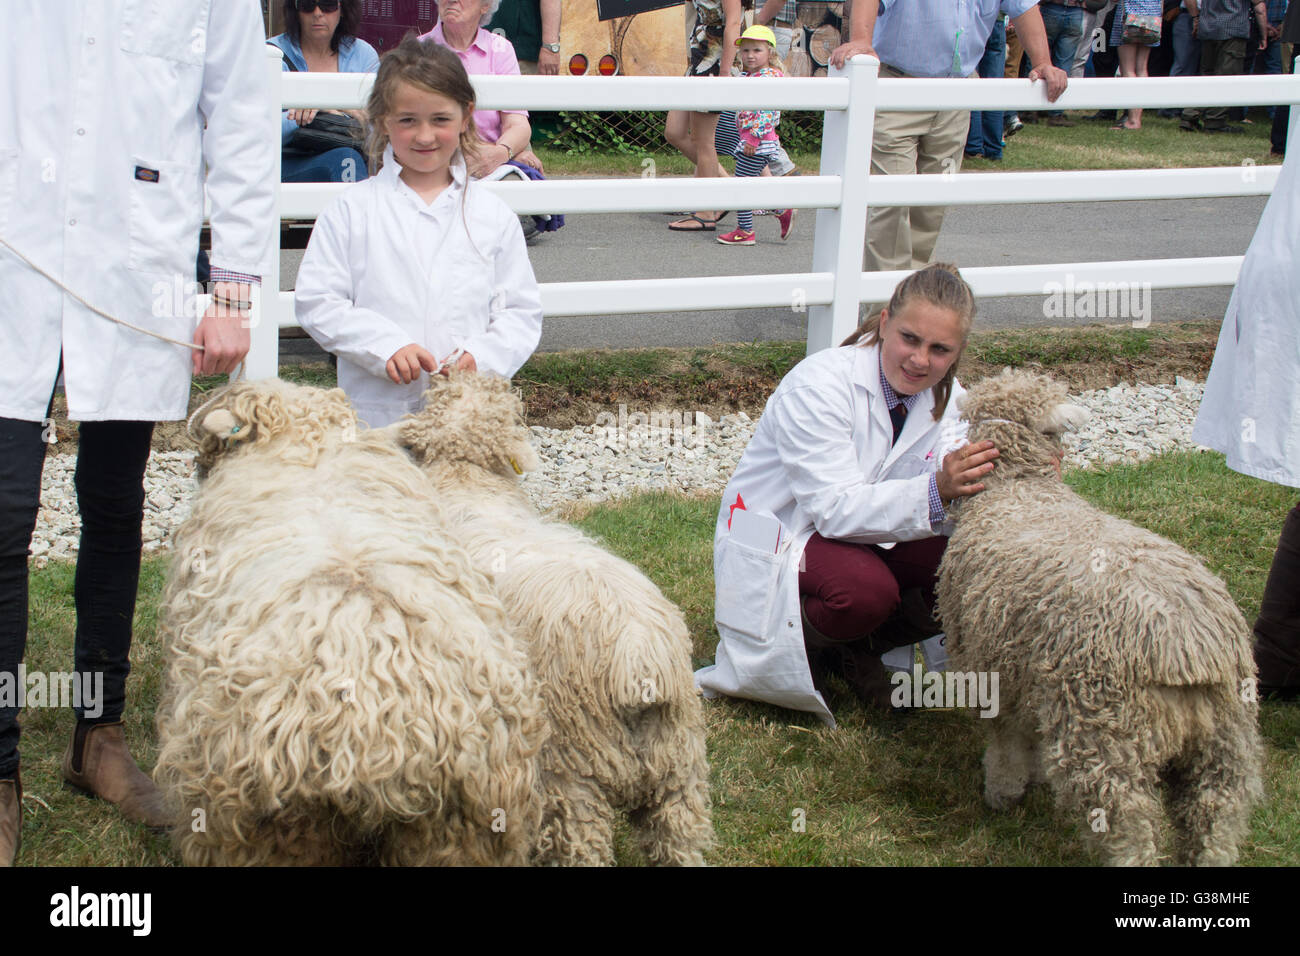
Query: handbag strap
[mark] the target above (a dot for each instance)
(288, 62)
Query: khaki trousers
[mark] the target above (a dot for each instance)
(903, 237)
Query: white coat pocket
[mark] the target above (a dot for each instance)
(745, 586)
(169, 29)
(909, 466)
(166, 215)
(8, 182)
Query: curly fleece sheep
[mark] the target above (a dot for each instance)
(342, 684)
(611, 652)
(1123, 662)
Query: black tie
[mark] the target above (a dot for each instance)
(898, 415)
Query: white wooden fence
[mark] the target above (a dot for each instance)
(841, 192)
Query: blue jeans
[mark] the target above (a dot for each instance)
(985, 136)
(342, 165)
(1187, 48)
(1064, 27)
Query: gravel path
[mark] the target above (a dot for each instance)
(626, 452)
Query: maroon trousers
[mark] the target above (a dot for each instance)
(849, 590)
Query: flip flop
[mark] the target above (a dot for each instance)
(705, 225)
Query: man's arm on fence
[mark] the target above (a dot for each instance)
(862, 27)
(1033, 37)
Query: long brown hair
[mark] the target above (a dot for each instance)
(430, 67)
(941, 285)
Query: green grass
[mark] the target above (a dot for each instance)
(875, 790)
(1160, 144)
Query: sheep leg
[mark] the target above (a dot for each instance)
(1211, 793)
(1009, 764)
(1098, 770)
(577, 824)
(676, 829)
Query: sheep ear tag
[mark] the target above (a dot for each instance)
(515, 465)
(224, 425)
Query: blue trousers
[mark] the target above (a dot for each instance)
(342, 165)
(1064, 27)
(985, 136)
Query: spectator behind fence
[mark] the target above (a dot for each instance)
(1130, 35)
(711, 51)
(756, 143)
(1282, 116)
(1266, 60)
(985, 136)
(533, 29)
(138, 118)
(320, 37)
(1063, 23)
(933, 38)
(1223, 27)
(506, 134)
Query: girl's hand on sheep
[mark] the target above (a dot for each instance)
(465, 363)
(405, 365)
(962, 470)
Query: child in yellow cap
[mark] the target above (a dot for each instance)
(757, 140)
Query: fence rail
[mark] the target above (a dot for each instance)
(834, 289)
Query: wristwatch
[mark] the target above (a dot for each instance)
(553, 47)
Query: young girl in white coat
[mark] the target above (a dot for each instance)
(416, 270)
(842, 498)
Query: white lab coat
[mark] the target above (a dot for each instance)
(95, 91)
(820, 460)
(385, 269)
(1251, 407)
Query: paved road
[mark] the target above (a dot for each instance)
(639, 245)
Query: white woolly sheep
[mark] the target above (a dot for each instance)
(1123, 662)
(342, 684)
(612, 654)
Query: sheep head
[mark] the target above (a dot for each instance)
(297, 420)
(1023, 414)
(472, 418)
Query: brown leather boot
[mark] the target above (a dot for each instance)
(11, 819)
(855, 661)
(98, 763)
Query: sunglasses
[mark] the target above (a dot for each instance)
(307, 6)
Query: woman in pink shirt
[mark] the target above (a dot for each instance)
(460, 29)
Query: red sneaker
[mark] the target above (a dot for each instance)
(737, 237)
(786, 219)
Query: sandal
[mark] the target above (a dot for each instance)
(703, 225)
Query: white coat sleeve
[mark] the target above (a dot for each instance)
(239, 156)
(814, 438)
(515, 309)
(325, 292)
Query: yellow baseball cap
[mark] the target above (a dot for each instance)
(758, 32)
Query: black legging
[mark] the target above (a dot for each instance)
(110, 495)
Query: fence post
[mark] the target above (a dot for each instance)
(263, 360)
(840, 233)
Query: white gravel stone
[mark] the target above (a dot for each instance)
(694, 455)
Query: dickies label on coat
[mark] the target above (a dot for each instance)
(146, 175)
